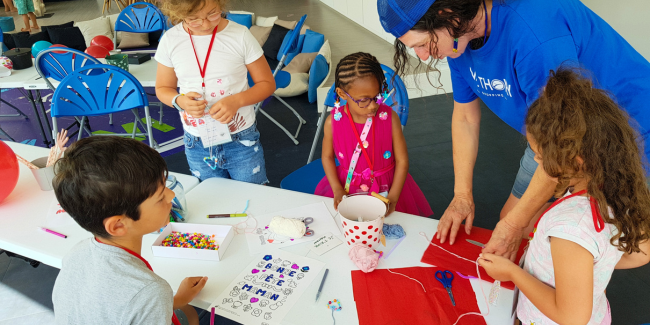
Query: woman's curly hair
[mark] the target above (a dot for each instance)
(573, 119)
(177, 10)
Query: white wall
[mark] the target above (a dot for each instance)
(630, 18)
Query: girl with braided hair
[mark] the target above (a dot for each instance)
(366, 137)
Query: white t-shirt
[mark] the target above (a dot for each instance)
(570, 220)
(226, 74)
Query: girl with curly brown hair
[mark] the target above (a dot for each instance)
(584, 144)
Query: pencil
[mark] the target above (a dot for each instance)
(212, 316)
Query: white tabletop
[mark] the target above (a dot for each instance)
(18, 78)
(223, 195)
(25, 209)
(145, 73)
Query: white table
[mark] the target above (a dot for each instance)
(25, 209)
(219, 195)
(16, 80)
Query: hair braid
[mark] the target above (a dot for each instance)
(356, 66)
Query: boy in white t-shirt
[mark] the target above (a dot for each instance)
(208, 58)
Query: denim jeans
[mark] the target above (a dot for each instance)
(241, 160)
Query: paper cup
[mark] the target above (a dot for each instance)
(368, 209)
(44, 175)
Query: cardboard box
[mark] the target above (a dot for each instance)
(223, 235)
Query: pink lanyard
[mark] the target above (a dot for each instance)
(360, 148)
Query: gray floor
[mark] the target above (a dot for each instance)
(25, 291)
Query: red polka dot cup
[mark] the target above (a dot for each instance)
(362, 219)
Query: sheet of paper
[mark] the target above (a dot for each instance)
(57, 217)
(265, 291)
(325, 243)
(262, 239)
(213, 132)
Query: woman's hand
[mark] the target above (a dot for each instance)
(192, 104)
(338, 197)
(461, 208)
(225, 109)
(498, 267)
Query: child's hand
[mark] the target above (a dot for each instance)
(338, 197)
(392, 205)
(188, 289)
(225, 109)
(192, 105)
(498, 267)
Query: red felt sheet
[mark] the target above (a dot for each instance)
(436, 256)
(386, 298)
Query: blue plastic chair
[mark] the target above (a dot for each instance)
(108, 89)
(57, 63)
(398, 100)
(283, 79)
(140, 17)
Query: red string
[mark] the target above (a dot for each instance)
(207, 57)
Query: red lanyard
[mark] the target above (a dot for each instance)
(365, 154)
(205, 64)
(175, 320)
(599, 223)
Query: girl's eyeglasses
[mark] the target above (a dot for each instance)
(364, 102)
(198, 22)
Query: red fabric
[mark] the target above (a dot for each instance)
(175, 320)
(436, 256)
(385, 298)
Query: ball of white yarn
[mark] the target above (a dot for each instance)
(293, 228)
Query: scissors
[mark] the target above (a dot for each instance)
(445, 278)
(307, 221)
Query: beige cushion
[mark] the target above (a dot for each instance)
(131, 40)
(326, 51)
(265, 21)
(298, 86)
(301, 63)
(111, 21)
(260, 33)
(95, 27)
(290, 25)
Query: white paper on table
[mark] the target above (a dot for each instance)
(266, 290)
(325, 243)
(262, 238)
(497, 313)
(213, 132)
(57, 217)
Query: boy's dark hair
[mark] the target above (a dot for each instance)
(573, 119)
(100, 177)
(356, 66)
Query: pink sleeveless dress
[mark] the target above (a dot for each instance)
(411, 199)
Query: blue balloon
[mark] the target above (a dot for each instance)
(40, 46)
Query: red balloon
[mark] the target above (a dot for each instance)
(58, 45)
(8, 170)
(102, 41)
(97, 51)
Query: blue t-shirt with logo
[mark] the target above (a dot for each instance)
(531, 37)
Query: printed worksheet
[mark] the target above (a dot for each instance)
(265, 291)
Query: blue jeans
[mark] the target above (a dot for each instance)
(241, 160)
(527, 167)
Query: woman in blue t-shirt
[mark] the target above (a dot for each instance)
(501, 52)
